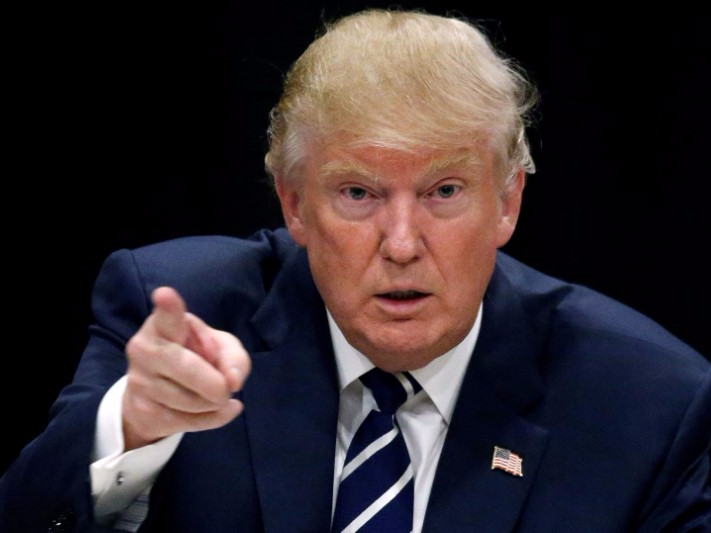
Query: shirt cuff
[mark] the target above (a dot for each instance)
(117, 478)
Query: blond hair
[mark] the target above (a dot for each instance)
(401, 80)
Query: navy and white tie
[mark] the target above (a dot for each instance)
(376, 490)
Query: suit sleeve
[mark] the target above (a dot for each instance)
(680, 499)
(48, 486)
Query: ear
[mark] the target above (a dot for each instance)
(510, 207)
(290, 197)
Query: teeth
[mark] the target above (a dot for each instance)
(403, 295)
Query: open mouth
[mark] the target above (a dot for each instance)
(403, 295)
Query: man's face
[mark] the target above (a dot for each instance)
(401, 246)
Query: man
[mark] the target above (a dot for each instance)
(226, 382)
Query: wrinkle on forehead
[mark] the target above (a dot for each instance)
(437, 163)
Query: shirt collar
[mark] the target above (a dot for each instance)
(441, 378)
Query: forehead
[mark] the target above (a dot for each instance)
(379, 162)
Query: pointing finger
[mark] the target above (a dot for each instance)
(169, 315)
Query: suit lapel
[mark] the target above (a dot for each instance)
(502, 381)
(292, 399)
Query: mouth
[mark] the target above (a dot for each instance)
(402, 304)
(403, 296)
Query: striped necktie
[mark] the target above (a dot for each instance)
(376, 490)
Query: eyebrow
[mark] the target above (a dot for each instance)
(450, 161)
(436, 165)
(339, 167)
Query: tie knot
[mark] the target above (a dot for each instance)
(390, 390)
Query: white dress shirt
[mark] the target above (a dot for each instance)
(118, 477)
(423, 419)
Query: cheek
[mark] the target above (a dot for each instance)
(343, 241)
(469, 252)
(315, 227)
(472, 235)
(339, 252)
(343, 258)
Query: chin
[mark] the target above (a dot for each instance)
(410, 354)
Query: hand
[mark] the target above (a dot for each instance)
(181, 374)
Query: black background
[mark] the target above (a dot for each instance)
(135, 122)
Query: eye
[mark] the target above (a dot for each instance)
(446, 191)
(356, 193)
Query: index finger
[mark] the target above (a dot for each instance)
(169, 315)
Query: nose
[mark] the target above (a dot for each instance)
(402, 239)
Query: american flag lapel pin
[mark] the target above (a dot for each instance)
(508, 461)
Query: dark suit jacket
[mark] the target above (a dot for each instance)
(611, 414)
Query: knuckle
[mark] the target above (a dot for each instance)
(135, 345)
